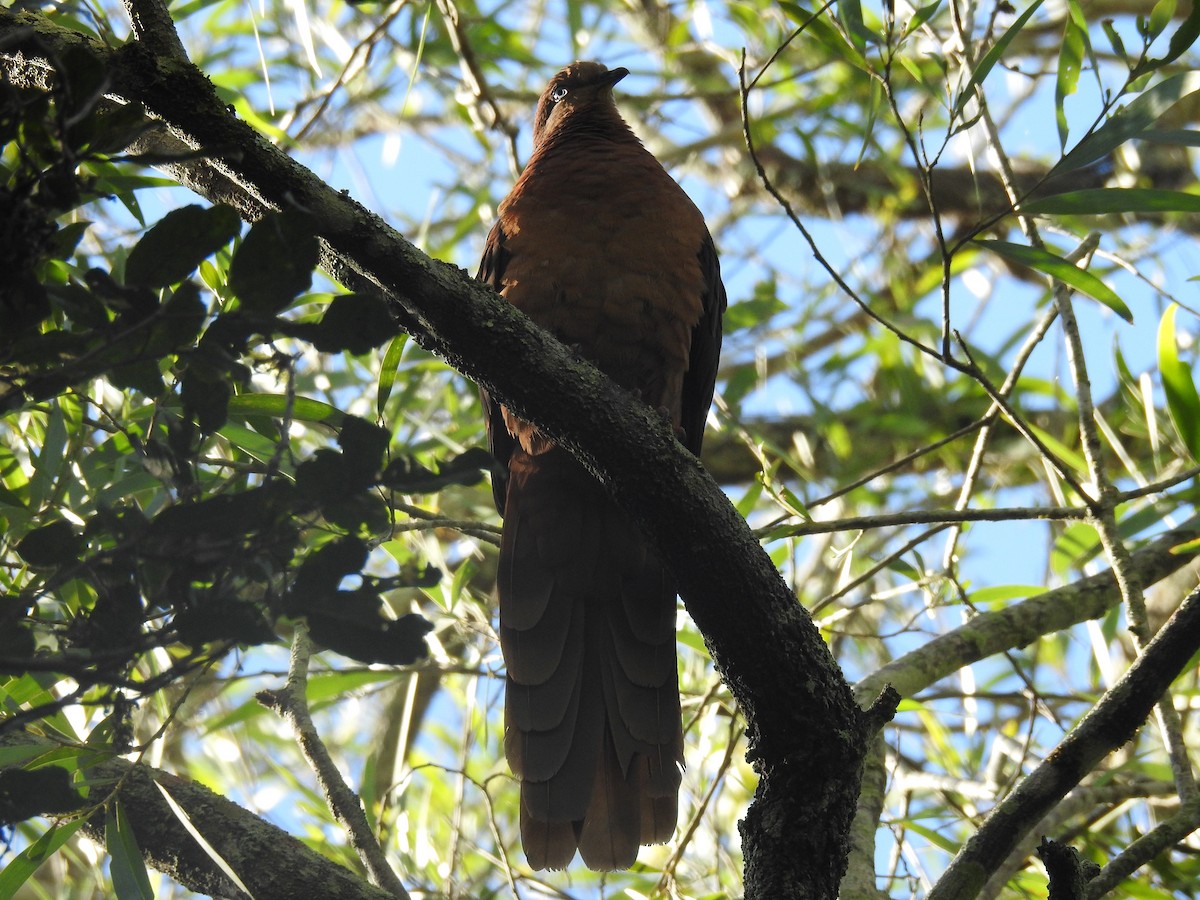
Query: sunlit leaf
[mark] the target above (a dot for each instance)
(1070, 59)
(921, 16)
(388, 370)
(1107, 201)
(1183, 401)
(984, 67)
(126, 867)
(304, 409)
(1059, 268)
(186, 821)
(18, 870)
(1130, 121)
(1182, 39)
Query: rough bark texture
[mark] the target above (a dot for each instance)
(1111, 723)
(272, 864)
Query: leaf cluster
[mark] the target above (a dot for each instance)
(164, 506)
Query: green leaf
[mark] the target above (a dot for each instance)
(1066, 272)
(1174, 137)
(1079, 543)
(249, 442)
(1070, 60)
(1183, 402)
(1106, 201)
(992, 57)
(763, 303)
(388, 371)
(274, 263)
(851, 14)
(1114, 38)
(1160, 17)
(935, 837)
(1130, 121)
(116, 128)
(17, 871)
(921, 16)
(66, 239)
(820, 30)
(16, 754)
(186, 821)
(303, 409)
(171, 250)
(126, 867)
(179, 321)
(1181, 40)
(999, 595)
(52, 545)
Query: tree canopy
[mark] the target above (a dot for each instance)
(938, 628)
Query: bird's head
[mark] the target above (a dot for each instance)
(580, 96)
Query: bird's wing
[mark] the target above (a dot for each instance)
(500, 442)
(701, 375)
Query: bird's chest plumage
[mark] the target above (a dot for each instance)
(603, 251)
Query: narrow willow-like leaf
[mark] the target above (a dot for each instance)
(1130, 121)
(992, 57)
(921, 16)
(126, 867)
(17, 871)
(186, 821)
(1070, 61)
(1183, 38)
(304, 409)
(1057, 267)
(1183, 402)
(388, 369)
(1106, 201)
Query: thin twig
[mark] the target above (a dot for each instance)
(876, 569)
(351, 68)
(1104, 504)
(473, 75)
(667, 881)
(1162, 837)
(1015, 419)
(926, 517)
(804, 232)
(979, 451)
(291, 704)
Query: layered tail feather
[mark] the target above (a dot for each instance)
(587, 626)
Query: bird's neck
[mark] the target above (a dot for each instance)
(586, 128)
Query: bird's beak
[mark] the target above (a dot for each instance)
(614, 75)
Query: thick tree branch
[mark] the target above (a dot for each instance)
(806, 735)
(1023, 623)
(986, 635)
(272, 864)
(1112, 722)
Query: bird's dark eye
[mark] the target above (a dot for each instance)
(558, 93)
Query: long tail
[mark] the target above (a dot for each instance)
(587, 626)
